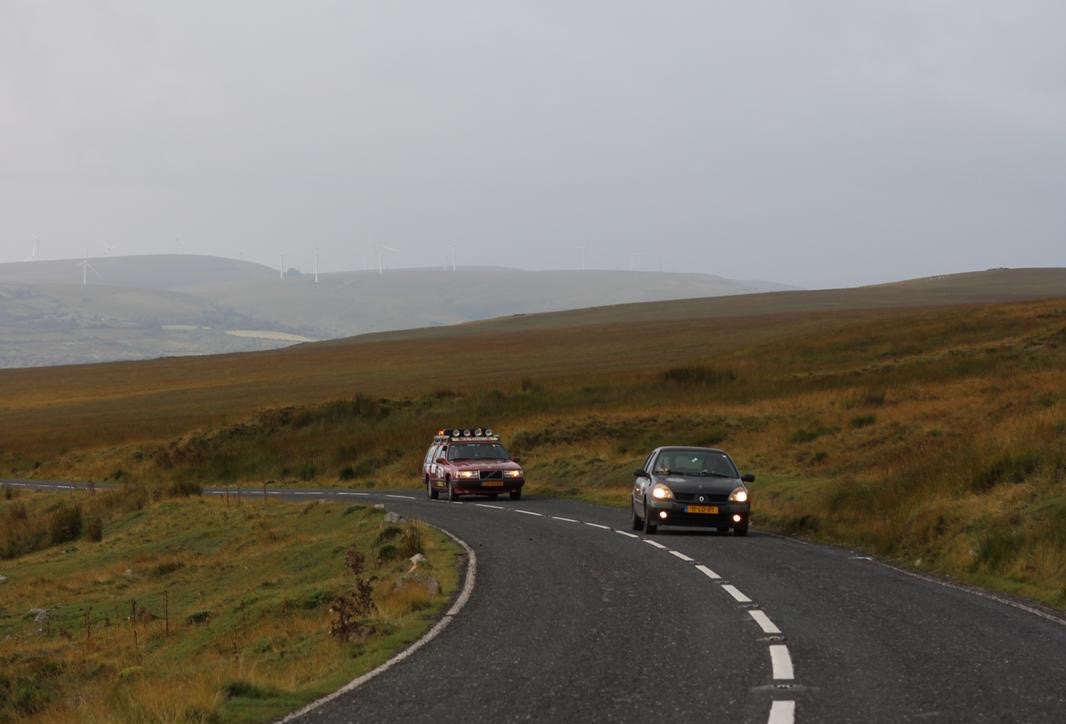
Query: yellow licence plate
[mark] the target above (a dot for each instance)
(492, 483)
(712, 509)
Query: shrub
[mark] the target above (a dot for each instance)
(182, 488)
(698, 375)
(863, 421)
(411, 542)
(94, 528)
(347, 473)
(1008, 469)
(808, 434)
(65, 524)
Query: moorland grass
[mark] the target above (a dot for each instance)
(933, 436)
(196, 610)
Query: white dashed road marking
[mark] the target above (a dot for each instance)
(528, 512)
(658, 545)
(732, 591)
(764, 622)
(782, 712)
(565, 520)
(402, 497)
(707, 572)
(682, 556)
(486, 505)
(597, 525)
(627, 535)
(782, 662)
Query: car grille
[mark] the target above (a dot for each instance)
(491, 474)
(707, 497)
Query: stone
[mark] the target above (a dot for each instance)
(418, 560)
(430, 584)
(128, 572)
(379, 506)
(3, 579)
(391, 517)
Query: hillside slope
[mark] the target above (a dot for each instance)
(153, 306)
(903, 419)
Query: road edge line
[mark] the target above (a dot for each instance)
(434, 632)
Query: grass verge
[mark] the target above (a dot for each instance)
(193, 610)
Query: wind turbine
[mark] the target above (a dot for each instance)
(36, 255)
(381, 265)
(453, 258)
(316, 265)
(634, 255)
(281, 267)
(85, 267)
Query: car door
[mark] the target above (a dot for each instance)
(640, 485)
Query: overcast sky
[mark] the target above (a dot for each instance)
(818, 143)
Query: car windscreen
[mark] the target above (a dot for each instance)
(696, 462)
(478, 451)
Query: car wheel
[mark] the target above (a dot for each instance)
(452, 495)
(638, 524)
(649, 527)
(431, 492)
(516, 494)
(741, 530)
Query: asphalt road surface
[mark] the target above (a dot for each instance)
(575, 618)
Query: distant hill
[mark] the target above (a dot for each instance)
(140, 307)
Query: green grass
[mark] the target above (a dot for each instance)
(929, 435)
(232, 610)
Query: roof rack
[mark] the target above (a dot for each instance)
(465, 433)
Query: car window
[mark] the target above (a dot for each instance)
(430, 457)
(696, 462)
(477, 451)
(647, 462)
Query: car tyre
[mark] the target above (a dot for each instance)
(741, 530)
(452, 495)
(516, 494)
(638, 524)
(431, 492)
(649, 527)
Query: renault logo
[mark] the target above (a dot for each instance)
(701, 498)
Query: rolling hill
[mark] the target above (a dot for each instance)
(921, 420)
(168, 305)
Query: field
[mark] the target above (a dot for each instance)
(922, 421)
(143, 307)
(197, 609)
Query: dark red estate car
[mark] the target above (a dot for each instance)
(470, 462)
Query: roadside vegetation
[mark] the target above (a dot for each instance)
(207, 609)
(932, 436)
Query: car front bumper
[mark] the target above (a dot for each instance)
(678, 514)
(482, 487)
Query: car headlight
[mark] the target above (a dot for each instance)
(661, 492)
(740, 495)
(512, 473)
(467, 474)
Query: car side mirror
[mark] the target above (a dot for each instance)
(748, 477)
(640, 473)
(516, 460)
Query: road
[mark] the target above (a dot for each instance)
(575, 618)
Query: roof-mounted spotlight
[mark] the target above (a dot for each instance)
(488, 431)
(466, 433)
(477, 432)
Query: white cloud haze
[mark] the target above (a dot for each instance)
(822, 143)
